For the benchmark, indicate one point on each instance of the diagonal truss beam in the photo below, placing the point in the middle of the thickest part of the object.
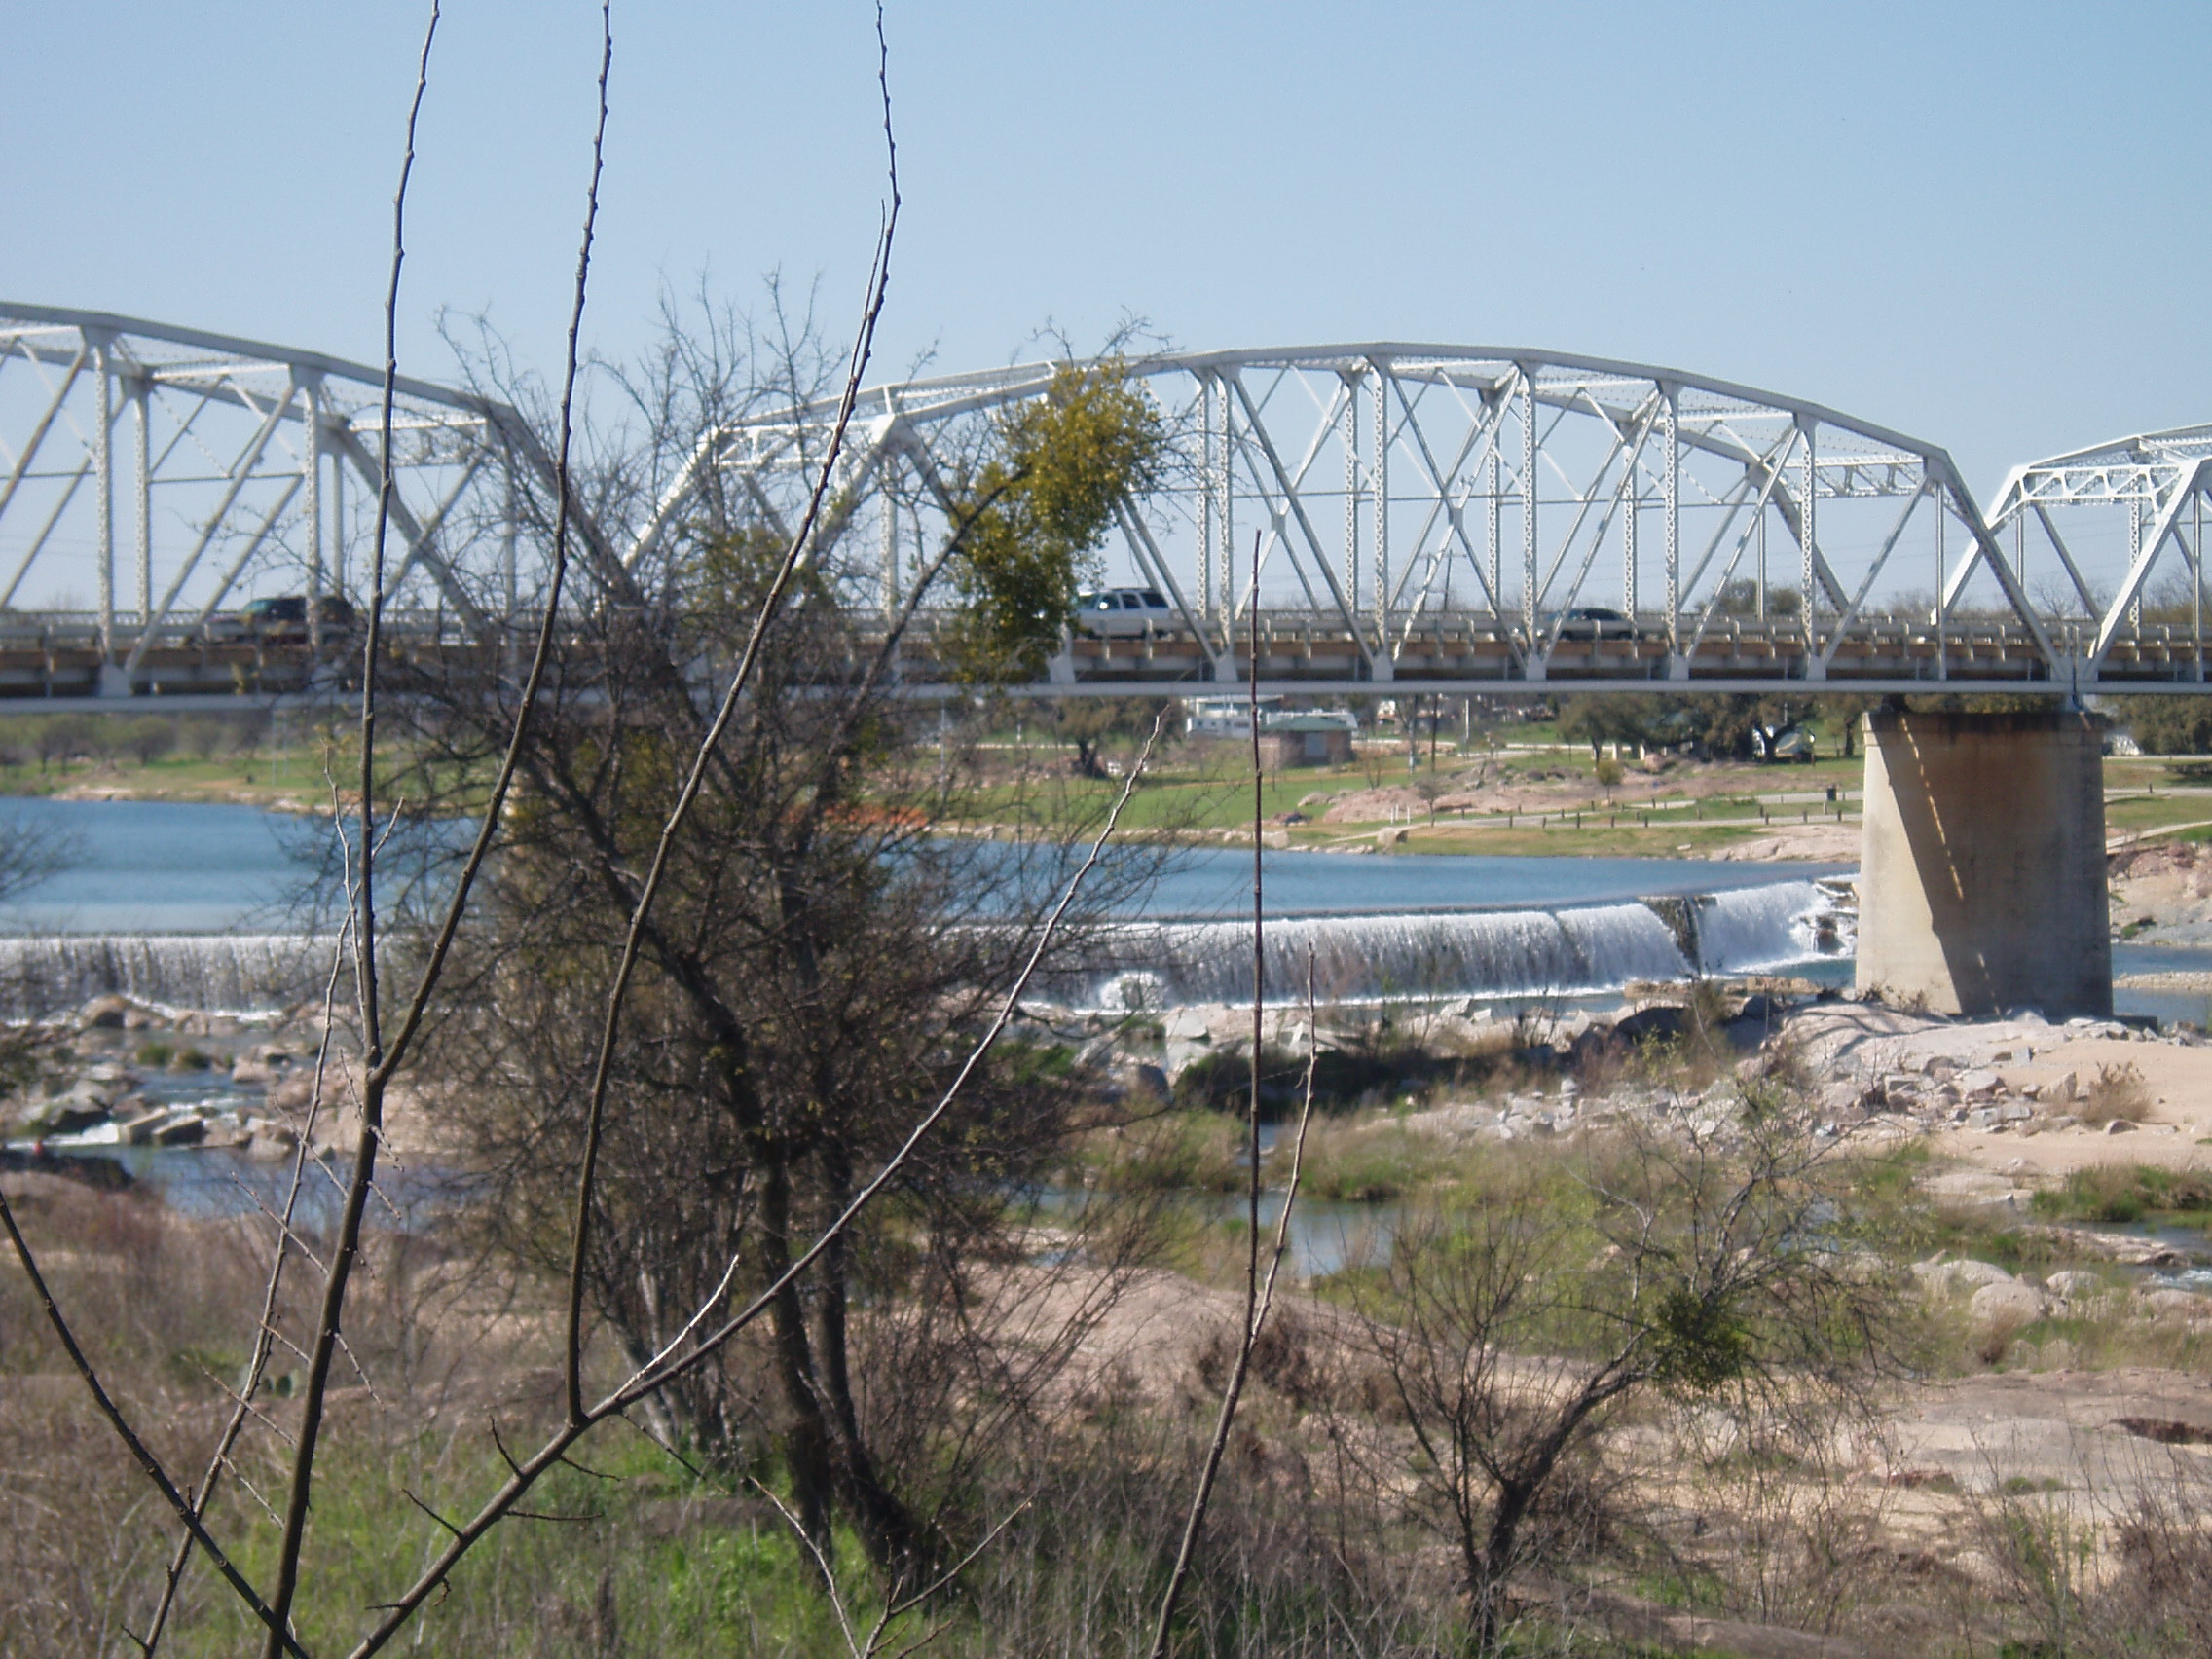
(2147, 556)
(1257, 430)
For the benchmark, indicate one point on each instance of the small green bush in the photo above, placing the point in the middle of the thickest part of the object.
(1191, 1152)
(1369, 1162)
(2119, 1196)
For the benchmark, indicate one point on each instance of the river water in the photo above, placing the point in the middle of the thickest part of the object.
(196, 905)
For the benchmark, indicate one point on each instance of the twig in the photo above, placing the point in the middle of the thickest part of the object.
(264, 1331)
(822, 1565)
(339, 1270)
(771, 604)
(1297, 1152)
(254, 1492)
(961, 1566)
(1193, 1523)
(136, 1446)
(245, 1403)
(427, 1510)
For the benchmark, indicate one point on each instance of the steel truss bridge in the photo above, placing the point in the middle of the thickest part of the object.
(1425, 519)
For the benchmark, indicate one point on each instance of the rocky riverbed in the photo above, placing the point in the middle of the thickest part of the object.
(121, 1074)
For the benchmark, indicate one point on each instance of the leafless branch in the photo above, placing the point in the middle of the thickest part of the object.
(864, 346)
(364, 909)
(265, 1330)
(664, 1369)
(1194, 1524)
(137, 1447)
(1297, 1153)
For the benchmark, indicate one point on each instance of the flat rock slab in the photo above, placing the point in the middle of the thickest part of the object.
(2113, 1432)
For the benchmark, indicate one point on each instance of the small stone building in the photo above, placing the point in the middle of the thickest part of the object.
(1321, 738)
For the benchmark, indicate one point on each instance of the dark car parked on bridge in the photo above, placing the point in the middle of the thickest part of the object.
(284, 620)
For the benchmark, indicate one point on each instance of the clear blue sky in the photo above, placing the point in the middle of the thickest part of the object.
(1984, 224)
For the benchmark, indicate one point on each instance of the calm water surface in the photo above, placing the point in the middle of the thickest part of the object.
(1217, 881)
(165, 866)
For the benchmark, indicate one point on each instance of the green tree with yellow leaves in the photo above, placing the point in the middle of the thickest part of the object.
(1034, 512)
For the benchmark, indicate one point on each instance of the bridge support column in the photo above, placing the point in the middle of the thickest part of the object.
(1982, 866)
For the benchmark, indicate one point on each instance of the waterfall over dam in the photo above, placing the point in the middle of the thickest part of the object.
(1556, 952)
(1522, 953)
(217, 972)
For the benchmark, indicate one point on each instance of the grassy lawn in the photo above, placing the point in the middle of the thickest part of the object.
(2137, 815)
(1563, 840)
(1206, 790)
(265, 779)
(291, 776)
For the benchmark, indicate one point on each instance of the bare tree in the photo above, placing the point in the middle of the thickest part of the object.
(1687, 1256)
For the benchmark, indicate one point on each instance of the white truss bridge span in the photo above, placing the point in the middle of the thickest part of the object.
(1431, 518)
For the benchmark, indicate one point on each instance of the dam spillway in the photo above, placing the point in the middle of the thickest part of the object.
(1532, 951)
(1553, 951)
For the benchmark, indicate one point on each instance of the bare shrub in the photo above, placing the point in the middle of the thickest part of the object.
(2163, 1582)
(1677, 1260)
(1784, 1534)
(150, 738)
(2118, 1095)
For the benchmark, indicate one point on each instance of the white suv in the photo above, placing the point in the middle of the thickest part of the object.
(1122, 612)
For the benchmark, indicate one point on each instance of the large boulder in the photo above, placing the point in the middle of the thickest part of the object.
(1661, 1023)
(103, 1014)
(2173, 1303)
(139, 1130)
(1940, 1277)
(2006, 1307)
(67, 1116)
(292, 1094)
(264, 1063)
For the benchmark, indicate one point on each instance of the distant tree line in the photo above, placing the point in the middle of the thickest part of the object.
(1714, 727)
(54, 743)
(2170, 725)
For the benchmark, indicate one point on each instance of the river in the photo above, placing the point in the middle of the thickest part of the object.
(209, 906)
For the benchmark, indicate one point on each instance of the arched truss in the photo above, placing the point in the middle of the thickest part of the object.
(1397, 489)
(169, 469)
(1403, 496)
(2136, 504)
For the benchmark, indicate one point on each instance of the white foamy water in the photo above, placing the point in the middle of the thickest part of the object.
(1751, 929)
(1567, 951)
(1534, 952)
(1548, 952)
(181, 906)
(219, 973)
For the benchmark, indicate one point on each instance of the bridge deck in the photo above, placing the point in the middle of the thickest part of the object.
(62, 658)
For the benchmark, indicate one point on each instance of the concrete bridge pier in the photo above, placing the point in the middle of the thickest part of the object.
(1981, 883)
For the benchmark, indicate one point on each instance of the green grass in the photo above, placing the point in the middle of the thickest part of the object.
(297, 773)
(2123, 1195)
(1167, 799)
(620, 1570)
(1594, 840)
(1366, 1163)
(1189, 1150)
